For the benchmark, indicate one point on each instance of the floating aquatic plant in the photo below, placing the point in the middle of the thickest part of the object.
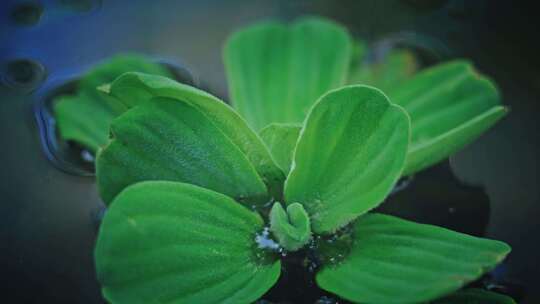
(201, 207)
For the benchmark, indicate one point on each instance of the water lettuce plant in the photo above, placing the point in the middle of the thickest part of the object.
(84, 117)
(204, 199)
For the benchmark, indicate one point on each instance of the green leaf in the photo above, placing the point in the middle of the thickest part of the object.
(291, 227)
(167, 242)
(84, 118)
(450, 105)
(398, 261)
(277, 71)
(281, 140)
(350, 153)
(475, 296)
(167, 139)
(132, 89)
(395, 68)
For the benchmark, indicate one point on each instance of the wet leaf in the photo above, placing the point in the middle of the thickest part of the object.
(167, 242)
(281, 140)
(475, 296)
(277, 71)
(350, 153)
(132, 89)
(395, 68)
(167, 139)
(398, 261)
(450, 105)
(84, 118)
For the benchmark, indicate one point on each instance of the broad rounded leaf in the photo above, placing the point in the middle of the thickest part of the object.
(167, 242)
(350, 153)
(85, 117)
(281, 140)
(475, 296)
(132, 89)
(277, 71)
(398, 261)
(167, 139)
(450, 105)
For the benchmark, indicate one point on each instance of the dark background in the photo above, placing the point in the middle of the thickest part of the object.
(47, 229)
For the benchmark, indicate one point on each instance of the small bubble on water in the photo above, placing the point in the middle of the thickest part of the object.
(26, 14)
(22, 74)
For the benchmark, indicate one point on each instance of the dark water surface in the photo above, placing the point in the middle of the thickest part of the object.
(49, 216)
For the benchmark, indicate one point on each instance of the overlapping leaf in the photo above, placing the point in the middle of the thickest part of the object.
(167, 139)
(450, 105)
(398, 261)
(350, 153)
(276, 72)
(394, 69)
(85, 117)
(165, 242)
(132, 89)
(281, 141)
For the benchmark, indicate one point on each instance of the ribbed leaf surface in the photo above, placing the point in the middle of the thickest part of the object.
(281, 140)
(398, 261)
(350, 153)
(276, 72)
(135, 88)
(166, 242)
(85, 117)
(450, 105)
(167, 139)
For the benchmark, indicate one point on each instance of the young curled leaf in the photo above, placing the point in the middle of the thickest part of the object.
(168, 242)
(350, 153)
(397, 261)
(292, 227)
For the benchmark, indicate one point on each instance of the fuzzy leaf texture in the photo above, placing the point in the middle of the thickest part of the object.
(450, 105)
(167, 242)
(167, 139)
(291, 227)
(277, 71)
(281, 141)
(132, 89)
(398, 261)
(350, 153)
(85, 117)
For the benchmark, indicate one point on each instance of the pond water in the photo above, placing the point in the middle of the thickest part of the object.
(50, 205)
